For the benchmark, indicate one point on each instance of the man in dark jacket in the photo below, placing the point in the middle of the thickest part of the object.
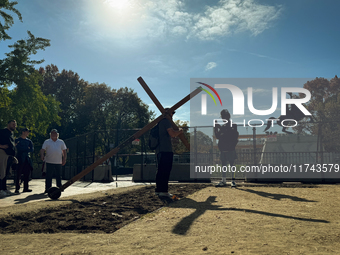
(7, 154)
(227, 140)
(24, 148)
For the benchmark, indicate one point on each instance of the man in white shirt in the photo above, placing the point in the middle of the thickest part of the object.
(53, 152)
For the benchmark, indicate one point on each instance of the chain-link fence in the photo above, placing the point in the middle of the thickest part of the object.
(252, 149)
(259, 149)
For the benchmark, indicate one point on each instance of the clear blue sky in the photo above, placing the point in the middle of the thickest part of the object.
(167, 42)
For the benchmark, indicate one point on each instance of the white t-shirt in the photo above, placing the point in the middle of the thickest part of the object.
(54, 151)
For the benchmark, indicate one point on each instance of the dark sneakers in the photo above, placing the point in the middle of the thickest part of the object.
(221, 184)
(27, 190)
(163, 194)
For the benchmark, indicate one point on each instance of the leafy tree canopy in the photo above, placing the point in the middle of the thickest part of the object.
(325, 109)
(6, 5)
(20, 93)
(88, 107)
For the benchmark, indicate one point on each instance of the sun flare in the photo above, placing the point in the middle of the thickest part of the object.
(119, 4)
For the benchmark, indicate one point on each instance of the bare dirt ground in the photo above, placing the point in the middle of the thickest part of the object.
(252, 219)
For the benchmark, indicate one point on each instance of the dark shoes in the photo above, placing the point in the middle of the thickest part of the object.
(163, 194)
(25, 190)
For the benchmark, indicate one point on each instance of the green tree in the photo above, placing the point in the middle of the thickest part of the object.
(95, 108)
(177, 144)
(90, 107)
(68, 89)
(18, 64)
(49, 74)
(127, 112)
(9, 21)
(5, 100)
(21, 97)
(324, 106)
(201, 141)
(31, 107)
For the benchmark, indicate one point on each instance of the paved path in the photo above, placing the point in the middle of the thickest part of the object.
(77, 188)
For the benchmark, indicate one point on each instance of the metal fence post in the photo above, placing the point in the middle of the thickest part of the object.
(195, 148)
(142, 156)
(254, 145)
(77, 158)
(93, 151)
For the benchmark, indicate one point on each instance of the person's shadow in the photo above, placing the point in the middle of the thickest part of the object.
(48, 200)
(277, 196)
(30, 198)
(182, 227)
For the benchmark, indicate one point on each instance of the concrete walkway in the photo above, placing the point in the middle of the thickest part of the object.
(38, 187)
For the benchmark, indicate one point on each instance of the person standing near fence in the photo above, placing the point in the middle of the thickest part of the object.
(24, 148)
(53, 153)
(227, 140)
(165, 155)
(7, 155)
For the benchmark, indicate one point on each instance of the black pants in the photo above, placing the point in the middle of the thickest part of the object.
(164, 160)
(53, 170)
(3, 185)
(25, 169)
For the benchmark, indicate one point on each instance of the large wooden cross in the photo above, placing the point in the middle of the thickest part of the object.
(162, 110)
(55, 193)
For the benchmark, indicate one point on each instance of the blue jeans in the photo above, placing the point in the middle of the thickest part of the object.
(53, 170)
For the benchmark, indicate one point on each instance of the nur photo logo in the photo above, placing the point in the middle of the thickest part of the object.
(238, 99)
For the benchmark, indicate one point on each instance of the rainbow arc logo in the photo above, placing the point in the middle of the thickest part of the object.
(209, 93)
(204, 97)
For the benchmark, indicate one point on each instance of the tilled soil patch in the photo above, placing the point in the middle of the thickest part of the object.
(103, 215)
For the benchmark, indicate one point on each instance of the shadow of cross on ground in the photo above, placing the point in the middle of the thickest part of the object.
(277, 196)
(184, 225)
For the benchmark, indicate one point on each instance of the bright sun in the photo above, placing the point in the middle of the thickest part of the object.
(119, 4)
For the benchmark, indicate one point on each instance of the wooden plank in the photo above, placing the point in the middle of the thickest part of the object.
(151, 94)
(161, 108)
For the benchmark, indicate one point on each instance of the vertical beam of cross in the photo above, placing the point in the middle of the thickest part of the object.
(161, 108)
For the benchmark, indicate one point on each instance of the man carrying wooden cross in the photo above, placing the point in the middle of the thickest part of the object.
(165, 154)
